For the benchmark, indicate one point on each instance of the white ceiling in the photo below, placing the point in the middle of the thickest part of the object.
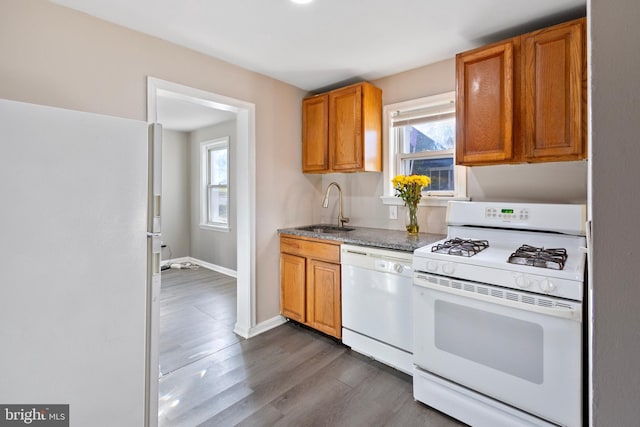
(331, 42)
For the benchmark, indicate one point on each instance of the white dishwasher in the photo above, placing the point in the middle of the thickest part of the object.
(377, 305)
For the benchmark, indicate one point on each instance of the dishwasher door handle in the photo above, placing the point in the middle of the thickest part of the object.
(372, 255)
(351, 251)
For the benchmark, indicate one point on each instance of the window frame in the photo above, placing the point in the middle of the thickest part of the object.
(392, 157)
(205, 173)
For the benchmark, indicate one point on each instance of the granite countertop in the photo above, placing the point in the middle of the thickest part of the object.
(374, 237)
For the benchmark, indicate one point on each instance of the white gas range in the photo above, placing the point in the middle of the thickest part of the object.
(498, 315)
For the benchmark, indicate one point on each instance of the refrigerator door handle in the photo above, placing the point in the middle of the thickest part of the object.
(155, 254)
(154, 276)
(155, 178)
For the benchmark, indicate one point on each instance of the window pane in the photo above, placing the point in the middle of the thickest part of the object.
(441, 172)
(214, 196)
(430, 136)
(218, 166)
(218, 204)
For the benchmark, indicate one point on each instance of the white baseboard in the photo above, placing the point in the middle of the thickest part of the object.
(261, 327)
(214, 267)
(205, 264)
(242, 331)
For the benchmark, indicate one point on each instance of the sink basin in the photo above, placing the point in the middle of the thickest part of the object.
(324, 228)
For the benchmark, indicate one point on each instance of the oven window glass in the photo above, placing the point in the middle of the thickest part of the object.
(500, 342)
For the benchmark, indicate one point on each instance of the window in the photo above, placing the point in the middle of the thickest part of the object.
(214, 194)
(421, 141)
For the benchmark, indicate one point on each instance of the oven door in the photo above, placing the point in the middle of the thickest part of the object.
(521, 349)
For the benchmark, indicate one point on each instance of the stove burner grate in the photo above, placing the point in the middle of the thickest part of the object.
(539, 257)
(460, 247)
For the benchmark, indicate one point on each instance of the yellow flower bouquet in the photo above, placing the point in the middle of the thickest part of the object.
(409, 189)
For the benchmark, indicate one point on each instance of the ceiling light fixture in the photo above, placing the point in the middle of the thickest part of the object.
(302, 1)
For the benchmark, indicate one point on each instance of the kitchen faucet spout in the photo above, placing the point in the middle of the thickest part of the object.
(325, 202)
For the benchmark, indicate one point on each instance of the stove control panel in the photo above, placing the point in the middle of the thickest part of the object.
(506, 214)
(525, 281)
(560, 218)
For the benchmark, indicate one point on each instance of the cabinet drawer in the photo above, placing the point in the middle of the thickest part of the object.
(310, 249)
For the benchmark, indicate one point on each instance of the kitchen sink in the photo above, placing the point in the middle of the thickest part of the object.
(324, 228)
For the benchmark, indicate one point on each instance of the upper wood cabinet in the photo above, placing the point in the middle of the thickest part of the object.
(315, 134)
(342, 130)
(523, 99)
(555, 93)
(485, 104)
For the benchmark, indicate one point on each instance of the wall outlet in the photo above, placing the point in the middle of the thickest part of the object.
(393, 212)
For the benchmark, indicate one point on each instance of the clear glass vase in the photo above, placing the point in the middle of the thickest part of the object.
(411, 219)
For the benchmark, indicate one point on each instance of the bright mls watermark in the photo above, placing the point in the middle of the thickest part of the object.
(34, 415)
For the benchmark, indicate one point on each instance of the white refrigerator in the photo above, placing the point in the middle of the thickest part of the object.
(79, 263)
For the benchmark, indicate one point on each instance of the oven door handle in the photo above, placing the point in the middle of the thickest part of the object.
(574, 314)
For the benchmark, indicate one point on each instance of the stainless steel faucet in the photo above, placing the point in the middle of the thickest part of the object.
(325, 202)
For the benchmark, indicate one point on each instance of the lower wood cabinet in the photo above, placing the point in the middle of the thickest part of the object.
(310, 290)
(324, 297)
(293, 287)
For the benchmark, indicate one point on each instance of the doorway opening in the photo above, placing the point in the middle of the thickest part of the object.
(243, 113)
(244, 164)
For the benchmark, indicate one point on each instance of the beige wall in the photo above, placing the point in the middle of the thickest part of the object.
(55, 56)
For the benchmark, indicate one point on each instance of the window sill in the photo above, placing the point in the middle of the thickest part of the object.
(425, 201)
(211, 227)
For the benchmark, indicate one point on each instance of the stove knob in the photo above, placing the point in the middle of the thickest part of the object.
(448, 268)
(519, 278)
(432, 266)
(398, 268)
(547, 286)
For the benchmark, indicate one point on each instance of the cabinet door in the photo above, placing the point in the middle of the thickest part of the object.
(315, 134)
(485, 104)
(345, 130)
(555, 93)
(292, 287)
(324, 308)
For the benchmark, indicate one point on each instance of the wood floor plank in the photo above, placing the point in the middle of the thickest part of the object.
(288, 376)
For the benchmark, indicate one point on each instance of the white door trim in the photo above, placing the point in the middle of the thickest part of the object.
(245, 167)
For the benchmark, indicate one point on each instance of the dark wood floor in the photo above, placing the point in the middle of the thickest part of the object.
(197, 315)
(289, 376)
